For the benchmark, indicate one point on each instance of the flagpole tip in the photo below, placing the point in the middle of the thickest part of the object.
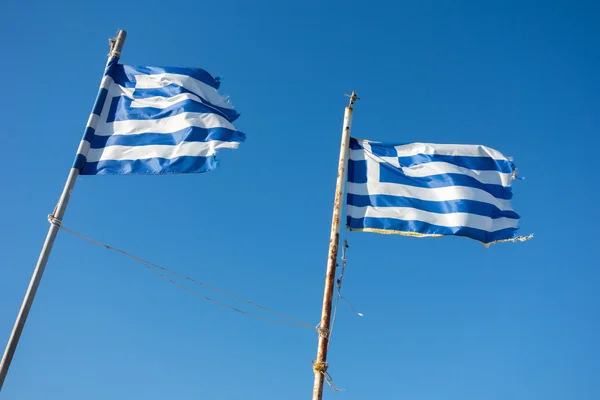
(353, 98)
(116, 44)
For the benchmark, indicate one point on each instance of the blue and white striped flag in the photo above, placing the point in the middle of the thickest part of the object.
(422, 189)
(154, 120)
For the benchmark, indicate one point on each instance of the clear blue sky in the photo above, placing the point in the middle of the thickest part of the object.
(444, 318)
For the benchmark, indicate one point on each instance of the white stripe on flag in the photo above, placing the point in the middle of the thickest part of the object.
(430, 194)
(447, 220)
(200, 88)
(469, 150)
(164, 102)
(164, 125)
(437, 168)
(193, 149)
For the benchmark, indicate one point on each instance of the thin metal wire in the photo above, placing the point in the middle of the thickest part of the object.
(339, 282)
(300, 325)
(339, 285)
(351, 306)
(155, 268)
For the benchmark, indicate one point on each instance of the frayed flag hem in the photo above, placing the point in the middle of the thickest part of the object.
(423, 235)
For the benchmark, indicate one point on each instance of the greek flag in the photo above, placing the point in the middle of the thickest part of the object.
(155, 120)
(422, 189)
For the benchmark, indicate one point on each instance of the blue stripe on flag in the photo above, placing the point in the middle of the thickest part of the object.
(100, 101)
(79, 162)
(396, 225)
(151, 166)
(439, 207)
(474, 163)
(113, 62)
(174, 90)
(121, 110)
(355, 144)
(383, 150)
(124, 75)
(390, 174)
(189, 134)
(88, 135)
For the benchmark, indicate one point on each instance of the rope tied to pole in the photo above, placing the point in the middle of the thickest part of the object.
(320, 367)
(323, 332)
(54, 221)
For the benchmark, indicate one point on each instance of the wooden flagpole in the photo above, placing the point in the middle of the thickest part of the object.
(116, 46)
(320, 365)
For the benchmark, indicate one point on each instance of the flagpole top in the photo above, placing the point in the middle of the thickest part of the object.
(116, 44)
(353, 98)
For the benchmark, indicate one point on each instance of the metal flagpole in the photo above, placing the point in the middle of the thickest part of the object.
(320, 365)
(115, 52)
